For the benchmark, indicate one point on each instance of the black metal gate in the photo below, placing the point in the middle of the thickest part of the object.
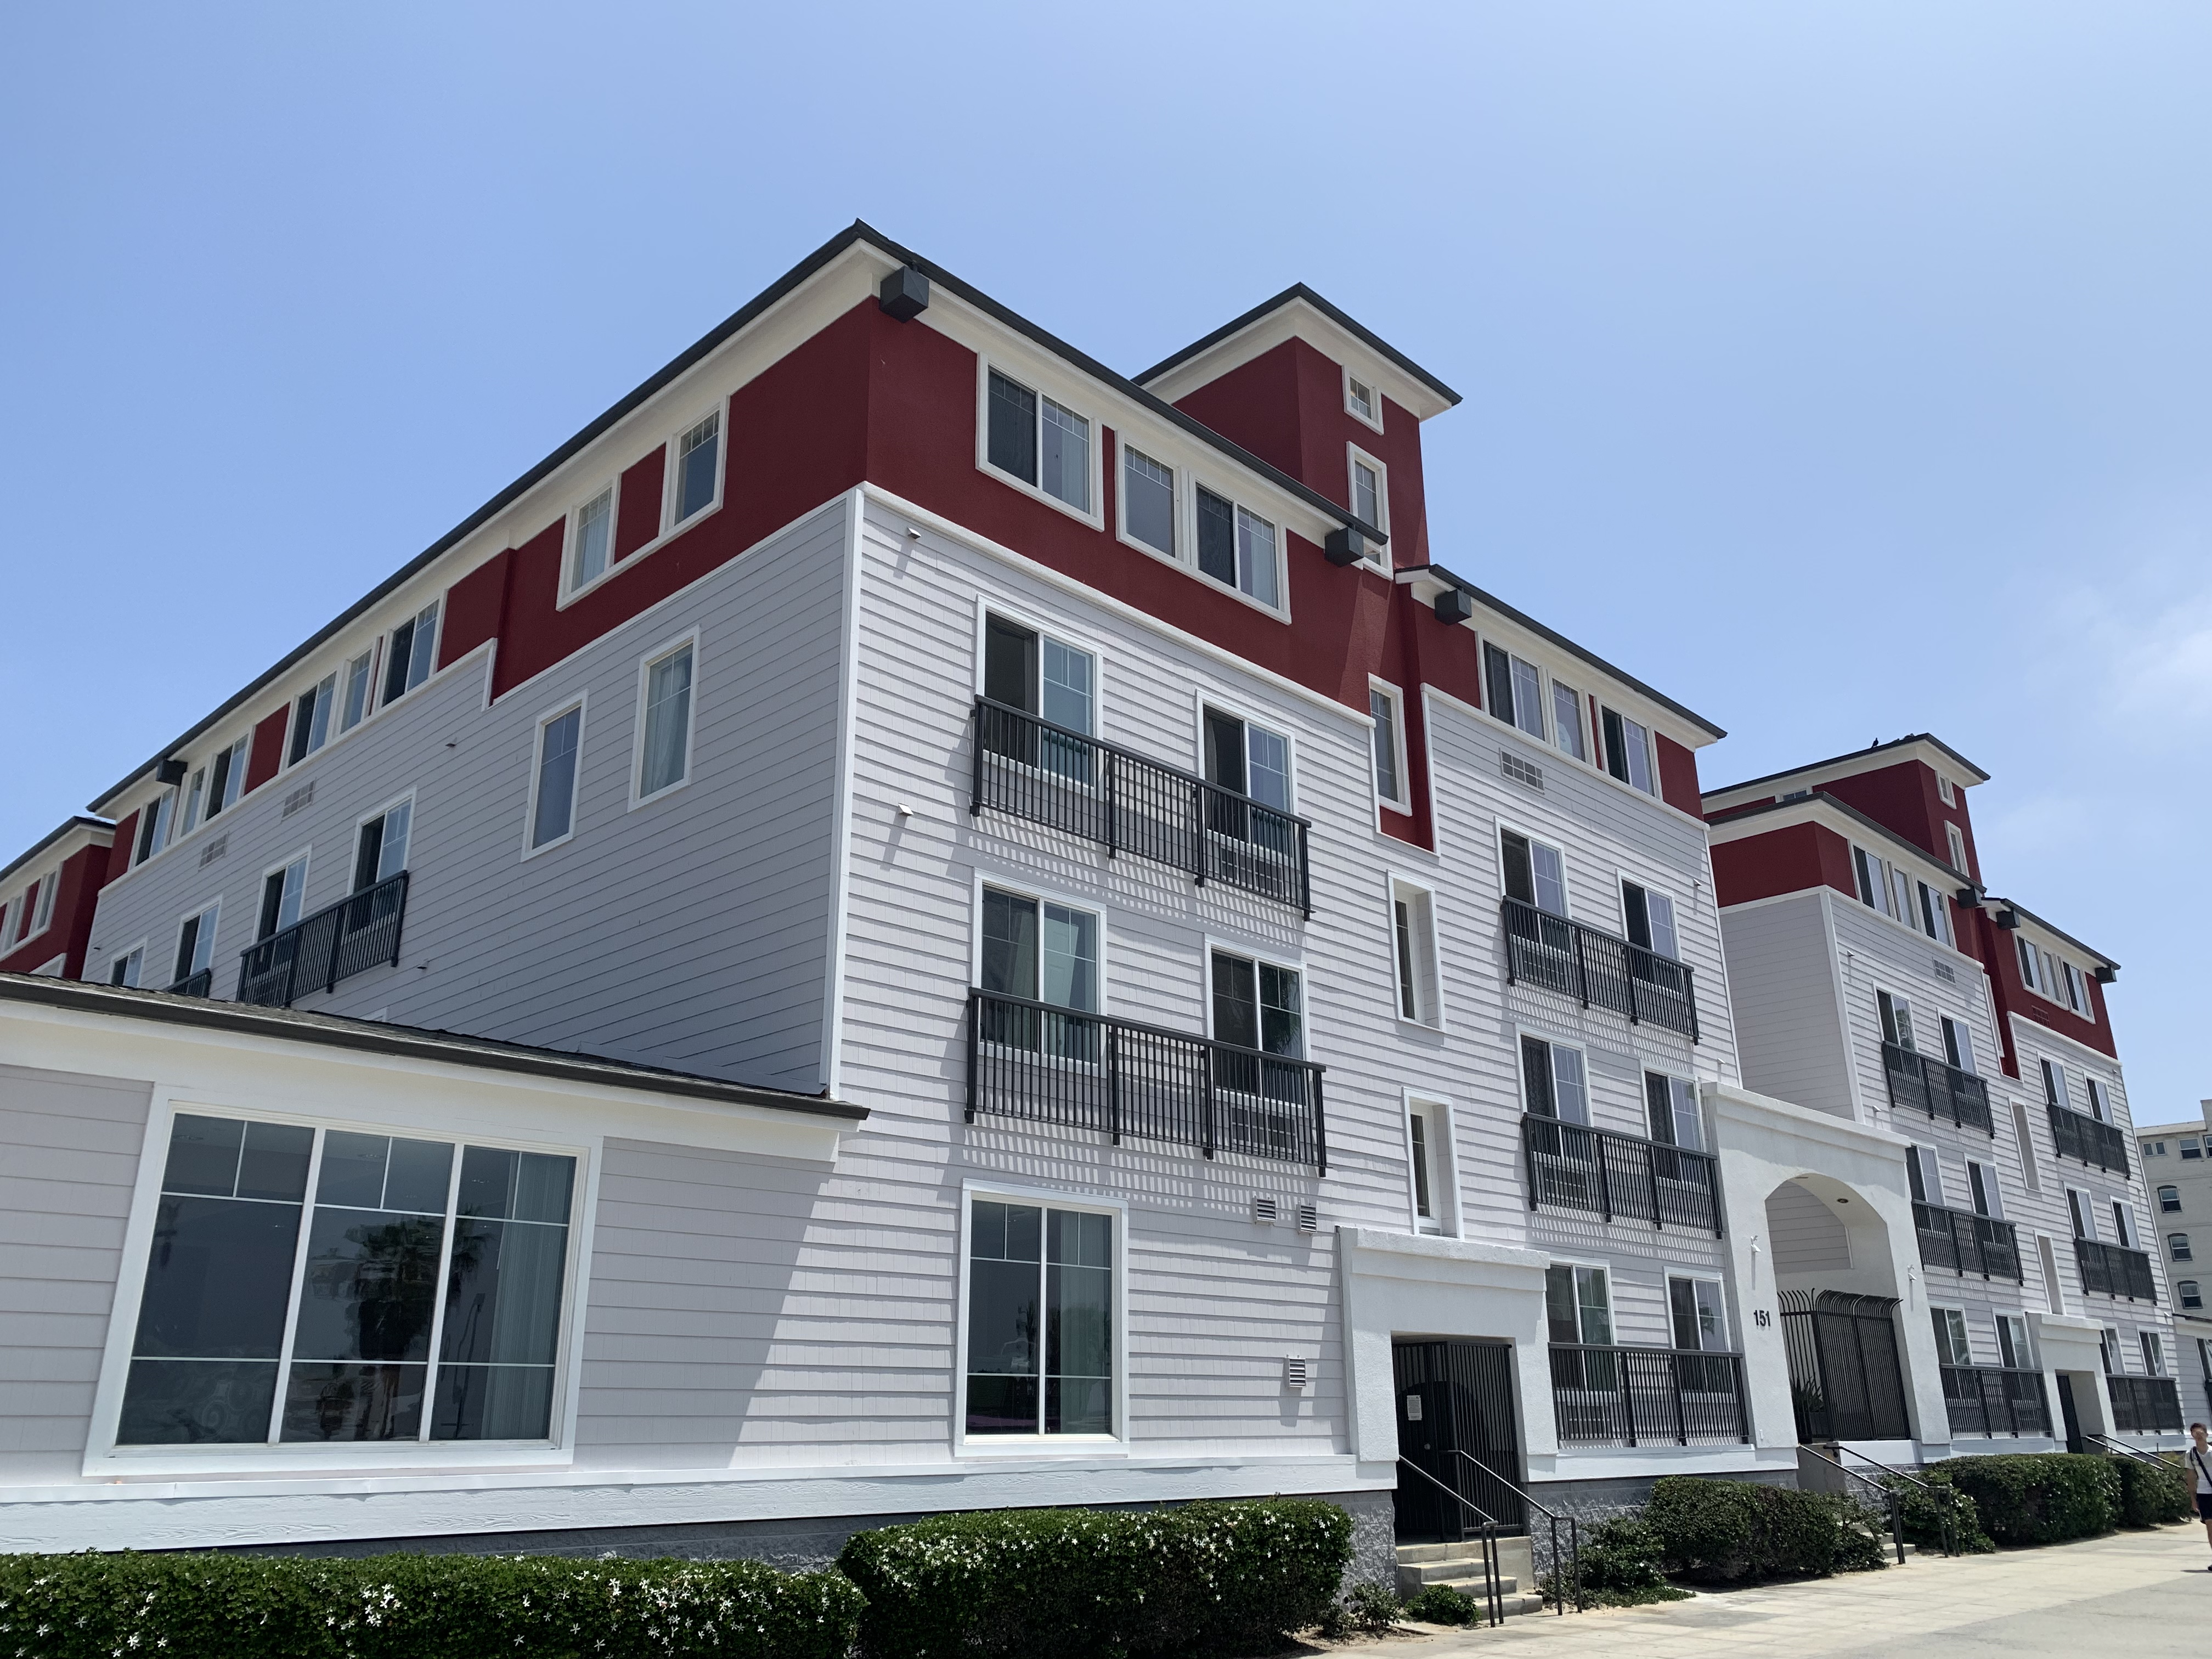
(1457, 1398)
(1844, 1378)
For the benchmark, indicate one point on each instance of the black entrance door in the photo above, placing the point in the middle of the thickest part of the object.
(2068, 1415)
(1457, 1398)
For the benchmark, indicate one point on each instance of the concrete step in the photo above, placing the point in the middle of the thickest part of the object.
(1508, 1605)
(1450, 1572)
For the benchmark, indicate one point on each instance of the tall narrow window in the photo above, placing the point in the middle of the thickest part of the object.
(1896, 1019)
(1627, 750)
(1237, 547)
(1553, 1082)
(195, 799)
(2027, 965)
(1251, 761)
(1413, 939)
(1567, 721)
(42, 903)
(195, 943)
(1402, 931)
(2013, 1351)
(2154, 1353)
(1982, 1189)
(1382, 709)
(2054, 1086)
(281, 891)
(1944, 791)
(1577, 1306)
(1535, 873)
(380, 851)
(1650, 919)
(1697, 1313)
(1423, 1140)
(1368, 501)
(153, 824)
(1012, 444)
(1148, 501)
(1957, 841)
(1958, 1045)
(413, 649)
(2080, 1214)
(1041, 1336)
(1924, 1175)
(591, 538)
(2123, 1232)
(553, 810)
(126, 969)
(2099, 1108)
(1935, 913)
(1874, 880)
(226, 777)
(1515, 689)
(1671, 1103)
(311, 719)
(1951, 1345)
(698, 464)
(1065, 457)
(665, 754)
(356, 692)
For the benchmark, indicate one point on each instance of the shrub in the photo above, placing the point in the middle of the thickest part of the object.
(1368, 1609)
(2037, 1497)
(1440, 1604)
(1624, 1554)
(2153, 1494)
(1930, 1505)
(1206, 1579)
(1722, 1531)
(417, 1607)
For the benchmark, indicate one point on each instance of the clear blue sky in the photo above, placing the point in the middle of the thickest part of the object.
(1846, 369)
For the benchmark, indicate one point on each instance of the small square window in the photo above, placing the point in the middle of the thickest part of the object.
(1362, 401)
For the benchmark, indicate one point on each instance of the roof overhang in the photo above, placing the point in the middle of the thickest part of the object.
(72, 838)
(2037, 924)
(1299, 313)
(1846, 820)
(1931, 750)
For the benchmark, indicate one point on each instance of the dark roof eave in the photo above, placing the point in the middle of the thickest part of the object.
(1980, 776)
(31, 855)
(1358, 331)
(857, 231)
(1565, 644)
(2055, 933)
(374, 1037)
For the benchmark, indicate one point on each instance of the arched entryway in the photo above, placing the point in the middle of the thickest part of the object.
(1835, 1278)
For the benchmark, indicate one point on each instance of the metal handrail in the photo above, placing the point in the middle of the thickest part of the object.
(1927, 1487)
(1889, 1493)
(1602, 1172)
(193, 985)
(1991, 1241)
(1964, 1096)
(2114, 1446)
(2076, 1135)
(2120, 1270)
(360, 932)
(1597, 968)
(1497, 1606)
(1559, 1596)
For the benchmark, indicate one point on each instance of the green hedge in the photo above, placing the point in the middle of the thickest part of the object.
(1201, 1579)
(417, 1607)
(1624, 1564)
(1930, 1508)
(1724, 1531)
(2037, 1497)
(2151, 1495)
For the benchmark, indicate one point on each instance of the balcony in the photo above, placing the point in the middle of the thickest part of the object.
(1599, 1173)
(1601, 970)
(193, 985)
(1042, 1064)
(2145, 1405)
(358, 932)
(2115, 1270)
(1048, 775)
(1919, 1083)
(1985, 1400)
(1967, 1243)
(2076, 1135)
(1608, 1396)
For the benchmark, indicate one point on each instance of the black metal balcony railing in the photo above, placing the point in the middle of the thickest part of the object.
(1570, 1167)
(1920, 1082)
(1985, 1400)
(193, 985)
(358, 932)
(1967, 1243)
(1047, 1065)
(1129, 804)
(2115, 1270)
(2145, 1405)
(1598, 970)
(1619, 1396)
(2076, 1135)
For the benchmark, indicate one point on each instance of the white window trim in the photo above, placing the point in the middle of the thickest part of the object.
(1622, 879)
(1946, 791)
(1259, 956)
(213, 909)
(1427, 1018)
(660, 654)
(108, 975)
(51, 969)
(1954, 840)
(988, 606)
(42, 893)
(1378, 556)
(1032, 1445)
(1280, 610)
(1021, 886)
(1669, 1272)
(1374, 393)
(1184, 558)
(1444, 1166)
(286, 764)
(719, 410)
(103, 1458)
(304, 858)
(572, 589)
(1658, 791)
(1203, 699)
(1498, 852)
(172, 792)
(377, 668)
(1517, 1031)
(1094, 460)
(1404, 803)
(1597, 1265)
(1966, 1330)
(176, 836)
(579, 703)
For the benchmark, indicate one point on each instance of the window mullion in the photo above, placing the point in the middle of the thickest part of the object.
(299, 1283)
(438, 1307)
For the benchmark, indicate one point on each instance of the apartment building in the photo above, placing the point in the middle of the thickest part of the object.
(48, 898)
(1875, 977)
(2177, 1166)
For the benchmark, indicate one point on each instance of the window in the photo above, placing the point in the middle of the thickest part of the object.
(1237, 547)
(2177, 1246)
(1671, 1105)
(413, 648)
(2013, 1351)
(1957, 839)
(1650, 917)
(2154, 1149)
(1896, 1019)
(1413, 942)
(663, 759)
(1247, 760)
(2169, 1199)
(2099, 1106)
(2108, 1349)
(10, 914)
(195, 943)
(2123, 1233)
(1567, 721)
(195, 797)
(127, 968)
(1576, 1306)
(591, 539)
(1535, 873)
(1924, 1173)
(1148, 501)
(1043, 676)
(1389, 747)
(2078, 1211)
(2154, 1353)
(1362, 400)
(245, 1337)
(1944, 791)
(1370, 493)
(1982, 1186)
(226, 777)
(380, 846)
(1515, 687)
(1427, 1146)
(356, 692)
(311, 719)
(1552, 1081)
(553, 785)
(1044, 444)
(1958, 1045)
(1039, 952)
(2054, 1086)
(2191, 1296)
(1874, 880)
(38, 904)
(1951, 1348)
(1627, 750)
(1040, 1311)
(2189, 1148)
(1257, 1005)
(1935, 913)
(154, 825)
(1700, 1316)
(2027, 963)
(281, 891)
(698, 470)
(2077, 989)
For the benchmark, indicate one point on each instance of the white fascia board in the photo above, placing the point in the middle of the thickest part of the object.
(1296, 318)
(2034, 1031)
(1849, 766)
(1769, 1116)
(1894, 847)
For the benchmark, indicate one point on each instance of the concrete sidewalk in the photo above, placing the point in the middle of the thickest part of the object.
(2142, 1596)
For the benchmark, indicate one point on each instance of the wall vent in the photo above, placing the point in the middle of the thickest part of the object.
(302, 796)
(1295, 1374)
(1944, 971)
(1520, 771)
(1266, 1210)
(214, 850)
(1309, 1217)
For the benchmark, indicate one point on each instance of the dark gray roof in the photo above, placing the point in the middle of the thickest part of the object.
(376, 1037)
(67, 824)
(1358, 331)
(1980, 776)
